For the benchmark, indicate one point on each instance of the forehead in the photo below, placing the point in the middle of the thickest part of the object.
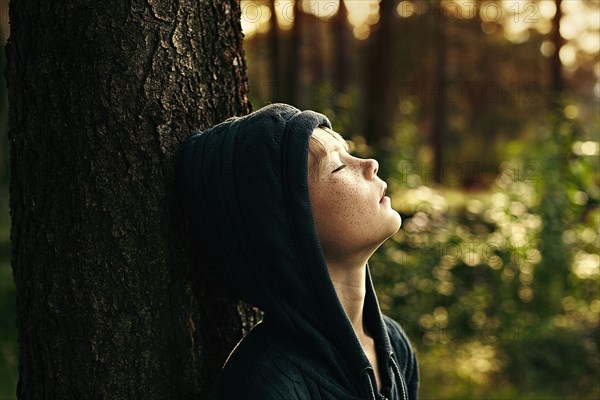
(330, 140)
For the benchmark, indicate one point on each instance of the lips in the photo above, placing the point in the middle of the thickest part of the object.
(383, 190)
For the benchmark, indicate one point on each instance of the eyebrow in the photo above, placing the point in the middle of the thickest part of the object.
(337, 148)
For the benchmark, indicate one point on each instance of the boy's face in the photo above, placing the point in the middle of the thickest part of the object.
(346, 196)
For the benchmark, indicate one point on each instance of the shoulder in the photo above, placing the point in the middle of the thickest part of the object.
(405, 355)
(398, 336)
(271, 366)
(266, 381)
(259, 368)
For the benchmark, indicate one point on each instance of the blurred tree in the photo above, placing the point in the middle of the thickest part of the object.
(439, 79)
(557, 41)
(316, 35)
(3, 138)
(295, 57)
(340, 27)
(552, 276)
(274, 45)
(381, 96)
(102, 95)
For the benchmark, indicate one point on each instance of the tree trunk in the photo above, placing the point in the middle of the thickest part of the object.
(274, 53)
(438, 126)
(381, 94)
(340, 27)
(557, 85)
(294, 75)
(552, 274)
(316, 35)
(3, 124)
(102, 95)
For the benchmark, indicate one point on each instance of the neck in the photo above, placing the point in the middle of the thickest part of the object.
(348, 277)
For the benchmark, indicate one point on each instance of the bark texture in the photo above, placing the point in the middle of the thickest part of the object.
(111, 303)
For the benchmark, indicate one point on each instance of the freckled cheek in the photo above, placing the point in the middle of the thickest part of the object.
(345, 203)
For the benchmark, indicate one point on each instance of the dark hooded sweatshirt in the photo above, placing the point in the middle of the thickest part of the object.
(246, 186)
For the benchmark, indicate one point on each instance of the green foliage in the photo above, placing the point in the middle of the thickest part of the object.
(499, 289)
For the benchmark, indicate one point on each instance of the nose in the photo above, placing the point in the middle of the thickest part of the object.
(371, 168)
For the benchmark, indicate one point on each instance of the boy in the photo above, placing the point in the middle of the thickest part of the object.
(291, 220)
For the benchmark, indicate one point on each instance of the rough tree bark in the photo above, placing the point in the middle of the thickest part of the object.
(102, 95)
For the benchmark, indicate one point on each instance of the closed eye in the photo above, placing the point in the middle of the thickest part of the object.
(339, 168)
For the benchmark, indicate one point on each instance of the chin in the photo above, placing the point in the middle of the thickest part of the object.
(399, 222)
(391, 227)
(395, 221)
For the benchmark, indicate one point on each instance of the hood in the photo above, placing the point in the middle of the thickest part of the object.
(246, 189)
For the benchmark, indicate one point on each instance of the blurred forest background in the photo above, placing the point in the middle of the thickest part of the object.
(485, 118)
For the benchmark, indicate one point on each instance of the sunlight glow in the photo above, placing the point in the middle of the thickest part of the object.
(406, 9)
(359, 11)
(255, 17)
(588, 42)
(574, 7)
(586, 265)
(322, 9)
(568, 55)
(579, 25)
(361, 32)
(362, 14)
(593, 19)
(478, 362)
(572, 25)
(547, 48)
(284, 9)
(571, 111)
(588, 148)
(547, 8)
(516, 32)
(580, 198)
(544, 26)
